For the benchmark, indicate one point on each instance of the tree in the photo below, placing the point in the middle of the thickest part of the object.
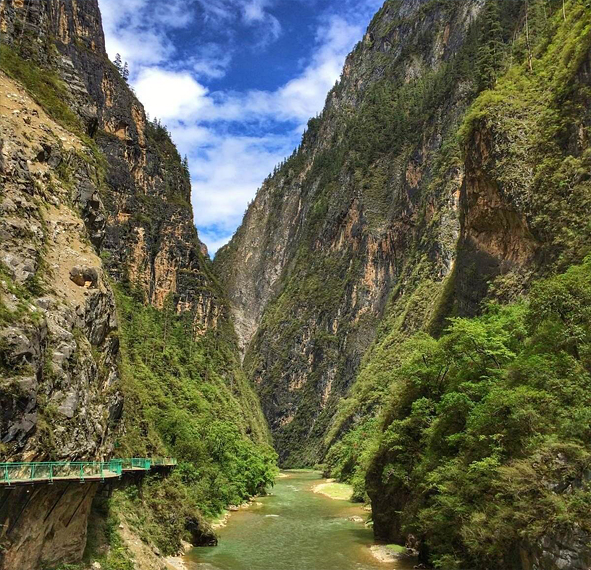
(125, 71)
(491, 46)
(527, 38)
(118, 63)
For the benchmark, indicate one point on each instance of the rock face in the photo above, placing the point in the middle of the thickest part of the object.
(58, 349)
(51, 527)
(59, 378)
(362, 212)
(420, 192)
(125, 193)
(146, 228)
(90, 191)
(560, 550)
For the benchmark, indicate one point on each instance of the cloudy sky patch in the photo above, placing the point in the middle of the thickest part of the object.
(235, 81)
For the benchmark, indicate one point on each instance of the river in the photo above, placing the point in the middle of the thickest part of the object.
(294, 529)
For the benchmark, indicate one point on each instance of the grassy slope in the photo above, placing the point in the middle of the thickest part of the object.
(190, 399)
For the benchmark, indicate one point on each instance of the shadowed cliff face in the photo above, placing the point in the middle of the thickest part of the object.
(46, 523)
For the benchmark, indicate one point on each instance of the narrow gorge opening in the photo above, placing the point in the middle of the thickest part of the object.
(400, 320)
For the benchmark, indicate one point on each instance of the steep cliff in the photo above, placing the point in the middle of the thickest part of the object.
(60, 385)
(148, 225)
(59, 356)
(381, 282)
(114, 336)
(483, 425)
(366, 209)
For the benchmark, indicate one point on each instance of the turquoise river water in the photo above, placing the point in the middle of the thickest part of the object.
(294, 529)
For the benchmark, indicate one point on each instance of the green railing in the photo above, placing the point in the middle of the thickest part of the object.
(164, 462)
(52, 470)
(136, 463)
(58, 470)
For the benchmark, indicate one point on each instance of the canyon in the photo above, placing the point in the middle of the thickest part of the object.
(405, 304)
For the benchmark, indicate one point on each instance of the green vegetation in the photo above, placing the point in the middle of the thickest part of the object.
(396, 548)
(348, 458)
(534, 115)
(488, 426)
(175, 170)
(22, 293)
(187, 397)
(473, 434)
(43, 85)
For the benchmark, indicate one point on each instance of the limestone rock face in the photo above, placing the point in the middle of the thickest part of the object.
(146, 227)
(58, 347)
(557, 551)
(62, 205)
(59, 377)
(341, 228)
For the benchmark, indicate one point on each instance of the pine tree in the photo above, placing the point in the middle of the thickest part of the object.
(118, 63)
(125, 72)
(490, 51)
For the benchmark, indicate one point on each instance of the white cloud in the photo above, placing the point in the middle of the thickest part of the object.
(170, 94)
(304, 96)
(177, 95)
(212, 61)
(226, 173)
(255, 11)
(136, 29)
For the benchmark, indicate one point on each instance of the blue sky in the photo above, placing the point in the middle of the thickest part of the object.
(235, 81)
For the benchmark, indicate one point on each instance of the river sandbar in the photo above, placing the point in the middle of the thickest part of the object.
(337, 491)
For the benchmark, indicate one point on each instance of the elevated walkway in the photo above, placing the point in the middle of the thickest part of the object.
(15, 474)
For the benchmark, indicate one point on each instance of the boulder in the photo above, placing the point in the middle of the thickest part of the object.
(84, 276)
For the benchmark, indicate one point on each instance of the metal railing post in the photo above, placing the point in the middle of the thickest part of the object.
(51, 472)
